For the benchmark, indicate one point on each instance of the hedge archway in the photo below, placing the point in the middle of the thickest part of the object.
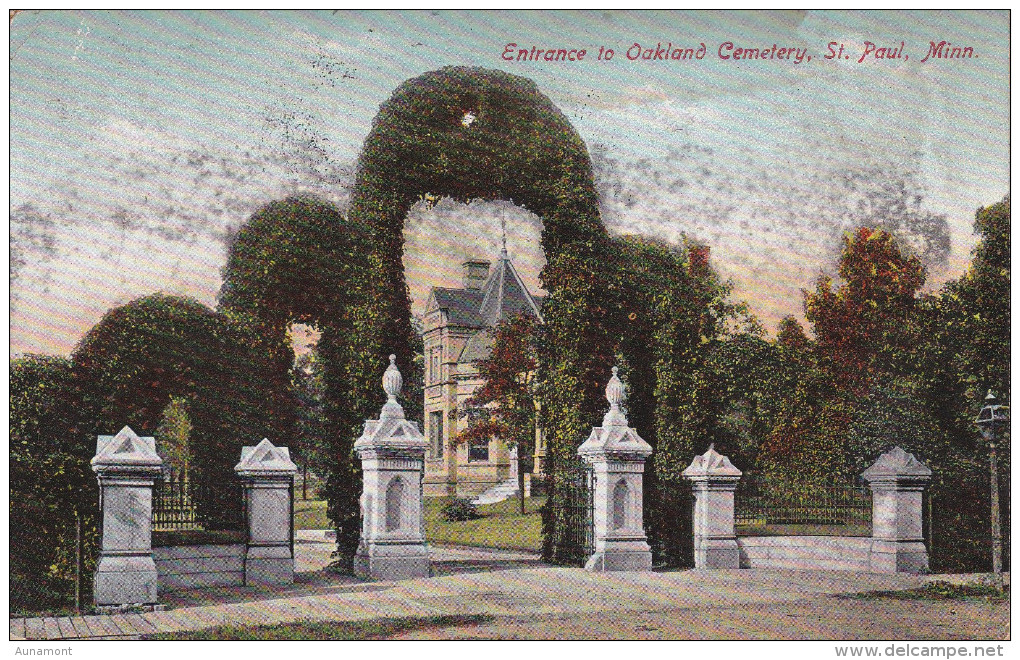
(471, 133)
(300, 260)
(466, 133)
(140, 354)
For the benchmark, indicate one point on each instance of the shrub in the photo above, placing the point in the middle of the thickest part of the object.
(459, 508)
(50, 484)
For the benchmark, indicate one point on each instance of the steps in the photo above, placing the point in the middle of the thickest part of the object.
(498, 493)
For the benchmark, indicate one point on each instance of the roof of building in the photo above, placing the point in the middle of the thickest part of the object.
(505, 294)
(461, 305)
(502, 296)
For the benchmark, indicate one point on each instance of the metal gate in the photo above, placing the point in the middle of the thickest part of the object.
(176, 506)
(577, 513)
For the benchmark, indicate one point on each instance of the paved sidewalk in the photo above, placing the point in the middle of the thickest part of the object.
(468, 582)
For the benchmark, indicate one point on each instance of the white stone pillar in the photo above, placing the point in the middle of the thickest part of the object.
(714, 481)
(268, 475)
(126, 467)
(392, 453)
(897, 481)
(617, 455)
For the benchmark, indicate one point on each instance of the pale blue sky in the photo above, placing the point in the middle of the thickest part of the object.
(140, 140)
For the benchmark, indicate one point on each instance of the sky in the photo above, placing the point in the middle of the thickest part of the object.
(141, 141)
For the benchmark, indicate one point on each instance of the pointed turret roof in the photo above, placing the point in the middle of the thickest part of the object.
(504, 294)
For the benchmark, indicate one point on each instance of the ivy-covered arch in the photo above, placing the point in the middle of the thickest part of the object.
(300, 260)
(466, 133)
(472, 133)
(141, 354)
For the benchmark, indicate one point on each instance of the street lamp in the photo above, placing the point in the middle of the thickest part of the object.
(991, 418)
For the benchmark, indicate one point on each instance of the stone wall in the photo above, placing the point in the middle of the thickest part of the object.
(897, 481)
(827, 553)
(195, 566)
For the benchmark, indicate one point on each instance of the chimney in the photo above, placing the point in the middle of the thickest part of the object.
(475, 274)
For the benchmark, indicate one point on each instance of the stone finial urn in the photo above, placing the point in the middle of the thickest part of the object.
(617, 454)
(392, 453)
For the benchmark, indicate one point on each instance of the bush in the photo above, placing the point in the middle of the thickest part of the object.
(50, 484)
(459, 508)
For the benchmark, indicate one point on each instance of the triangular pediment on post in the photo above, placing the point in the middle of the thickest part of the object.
(126, 448)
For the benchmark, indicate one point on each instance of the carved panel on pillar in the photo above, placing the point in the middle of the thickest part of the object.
(126, 466)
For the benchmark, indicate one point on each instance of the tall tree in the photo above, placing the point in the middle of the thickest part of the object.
(173, 436)
(864, 314)
(504, 406)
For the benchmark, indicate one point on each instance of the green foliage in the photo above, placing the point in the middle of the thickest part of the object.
(141, 355)
(312, 441)
(300, 260)
(862, 316)
(173, 437)
(960, 348)
(51, 483)
(521, 148)
(890, 368)
(457, 509)
(669, 311)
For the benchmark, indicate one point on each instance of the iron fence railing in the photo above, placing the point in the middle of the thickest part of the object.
(576, 510)
(848, 506)
(177, 506)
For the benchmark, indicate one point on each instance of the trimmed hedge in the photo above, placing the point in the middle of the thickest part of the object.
(519, 147)
(50, 481)
(141, 354)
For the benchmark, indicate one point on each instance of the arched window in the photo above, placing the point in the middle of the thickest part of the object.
(394, 500)
(621, 494)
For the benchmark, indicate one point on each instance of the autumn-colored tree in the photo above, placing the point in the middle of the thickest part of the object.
(790, 336)
(856, 321)
(504, 406)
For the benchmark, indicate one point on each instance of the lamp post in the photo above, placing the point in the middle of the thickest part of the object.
(992, 417)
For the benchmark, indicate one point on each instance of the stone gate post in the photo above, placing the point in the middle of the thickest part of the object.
(714, 480)
(897, 480)
(617, 455)
(126, 467)
(268, 475)
(392, 453)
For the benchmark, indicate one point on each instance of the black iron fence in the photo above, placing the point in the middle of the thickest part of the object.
(177, 506)
(577, 511)
(848, 507)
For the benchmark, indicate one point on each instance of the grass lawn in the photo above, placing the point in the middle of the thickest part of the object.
(310, 514)
(940, 590)
(501, 526)
(325, 630)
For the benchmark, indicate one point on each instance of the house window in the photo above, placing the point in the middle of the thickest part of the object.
(436, 433)
(478, 451)
(434, 365)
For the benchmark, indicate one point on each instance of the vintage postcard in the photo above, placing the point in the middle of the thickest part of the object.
(511, 325)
